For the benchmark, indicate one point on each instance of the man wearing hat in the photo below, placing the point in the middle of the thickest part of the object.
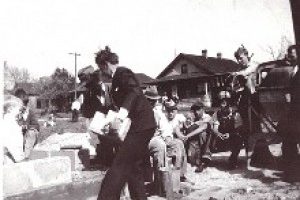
(96, 86)
(165, 141)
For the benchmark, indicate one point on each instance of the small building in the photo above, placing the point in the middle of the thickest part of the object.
(193, 76)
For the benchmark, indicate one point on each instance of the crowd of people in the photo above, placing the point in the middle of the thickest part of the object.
(156, 126)
(166, 134)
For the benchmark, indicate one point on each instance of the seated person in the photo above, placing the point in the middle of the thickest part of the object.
(164, 143)
(200, 130)
(226, 136)
(12, 136)
(51, 121)
(30, 125)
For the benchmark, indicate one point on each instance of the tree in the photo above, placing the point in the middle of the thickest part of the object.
(277, 53)
(18, 74)
(62, 81)
(13, 75)
(57, 87)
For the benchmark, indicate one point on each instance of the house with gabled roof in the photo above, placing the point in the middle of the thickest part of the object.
(192, 76)
(143, 80)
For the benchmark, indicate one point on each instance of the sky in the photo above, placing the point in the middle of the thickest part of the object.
(147, 35)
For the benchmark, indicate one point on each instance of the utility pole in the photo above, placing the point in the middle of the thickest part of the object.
(75, 55)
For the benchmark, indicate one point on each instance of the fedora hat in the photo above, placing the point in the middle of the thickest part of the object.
(151, 93)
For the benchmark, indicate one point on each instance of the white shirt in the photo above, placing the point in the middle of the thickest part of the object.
(251, 68)
(248, 74)
(12, 139)
(75, 105)
(167, 127)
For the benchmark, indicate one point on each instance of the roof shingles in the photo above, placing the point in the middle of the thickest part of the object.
(212, 65)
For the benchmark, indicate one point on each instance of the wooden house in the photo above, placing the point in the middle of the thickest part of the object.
(193, 76)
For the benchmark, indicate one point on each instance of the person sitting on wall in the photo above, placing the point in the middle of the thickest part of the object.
(12, 134)
(30, 125)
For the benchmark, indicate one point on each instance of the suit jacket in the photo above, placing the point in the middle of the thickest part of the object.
(127, 93)
(95, 93)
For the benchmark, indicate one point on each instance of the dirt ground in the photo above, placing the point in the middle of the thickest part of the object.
(216, 182)
(241, 183)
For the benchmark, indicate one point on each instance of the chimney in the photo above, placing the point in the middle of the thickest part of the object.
(204, 53)
(219, 55)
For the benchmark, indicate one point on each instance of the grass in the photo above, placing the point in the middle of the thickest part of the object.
(63, 125)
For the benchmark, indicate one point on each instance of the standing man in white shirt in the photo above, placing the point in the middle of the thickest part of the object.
(247, 95)
(75, 110)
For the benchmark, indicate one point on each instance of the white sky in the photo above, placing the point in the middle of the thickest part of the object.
(39, 34)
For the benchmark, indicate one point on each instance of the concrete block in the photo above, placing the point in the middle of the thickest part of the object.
(80, 158)
(39, 154)
(24, 176)
(77, 190)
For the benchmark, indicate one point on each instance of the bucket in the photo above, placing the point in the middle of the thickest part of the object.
(164, 183)
(175, 177)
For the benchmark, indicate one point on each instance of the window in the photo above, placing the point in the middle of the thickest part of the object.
(38, 104)
(200, 88)
(184, 69)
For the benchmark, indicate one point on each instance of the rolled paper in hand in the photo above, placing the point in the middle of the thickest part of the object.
(98, 123)
(111, 116)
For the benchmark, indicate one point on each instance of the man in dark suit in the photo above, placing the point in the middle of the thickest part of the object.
(130, 103)
(97, 98)
(291, 135)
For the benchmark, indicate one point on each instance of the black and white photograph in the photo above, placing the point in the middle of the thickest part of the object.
(161, 99)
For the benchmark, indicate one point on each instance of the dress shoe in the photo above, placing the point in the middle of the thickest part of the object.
(185, 179)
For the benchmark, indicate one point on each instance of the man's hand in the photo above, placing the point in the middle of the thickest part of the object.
(234, 73)
(183, 138)
(105, 130)
(168, 139)
(223, 136)
(288, 97)
(226, 136)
